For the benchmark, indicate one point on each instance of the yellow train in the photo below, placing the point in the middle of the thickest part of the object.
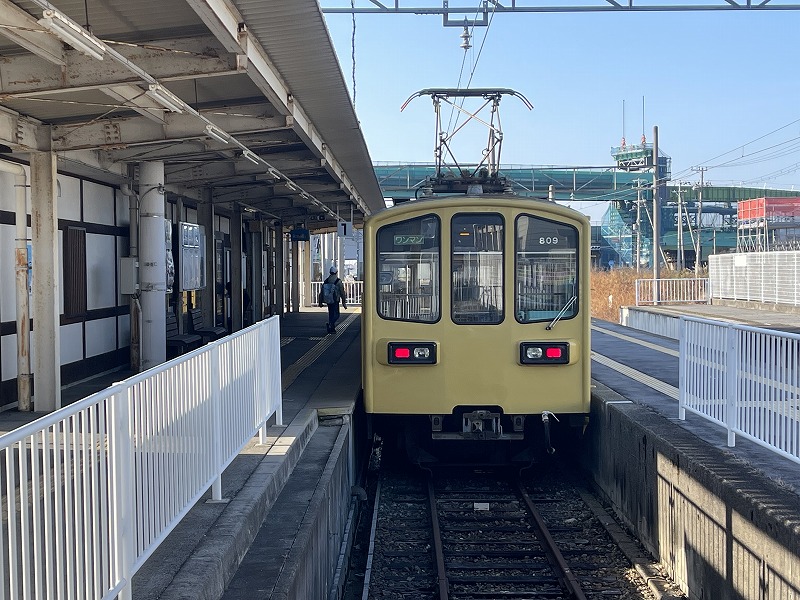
(475, 325)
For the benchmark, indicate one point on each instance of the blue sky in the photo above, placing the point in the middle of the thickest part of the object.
(713, 82)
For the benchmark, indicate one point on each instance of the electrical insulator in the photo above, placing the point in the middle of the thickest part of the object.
(466, 37)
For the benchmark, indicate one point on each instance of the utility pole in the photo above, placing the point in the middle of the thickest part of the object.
(680, 227)
(698, 225)
(638, 183)
(638, 228)
(656, 220)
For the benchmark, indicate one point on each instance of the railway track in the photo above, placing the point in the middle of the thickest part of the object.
(474, 536)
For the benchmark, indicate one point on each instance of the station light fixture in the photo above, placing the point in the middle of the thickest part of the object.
(72, 34)
(217, 134)
(165, 98)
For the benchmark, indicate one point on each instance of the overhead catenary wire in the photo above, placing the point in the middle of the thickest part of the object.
(453, 112)
(734, 162)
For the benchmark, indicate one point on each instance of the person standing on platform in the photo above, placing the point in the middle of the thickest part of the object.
(332, 292)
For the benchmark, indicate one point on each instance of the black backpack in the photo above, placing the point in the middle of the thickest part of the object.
(330, 292)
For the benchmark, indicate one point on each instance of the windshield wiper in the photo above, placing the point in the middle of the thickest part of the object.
(561, 313)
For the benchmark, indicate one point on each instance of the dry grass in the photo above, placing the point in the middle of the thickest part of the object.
(616, 288)
(612, 289)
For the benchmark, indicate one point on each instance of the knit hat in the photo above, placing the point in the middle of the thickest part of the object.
(333, 270)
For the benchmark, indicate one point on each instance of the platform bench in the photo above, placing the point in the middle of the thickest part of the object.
(209, 334)
(179, 343)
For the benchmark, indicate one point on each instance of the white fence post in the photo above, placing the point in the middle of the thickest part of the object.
(276, 393)
(732, 383)
(216, 421)
(264, 352)
(682, 369)
(124, 516)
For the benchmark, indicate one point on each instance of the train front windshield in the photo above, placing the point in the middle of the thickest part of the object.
(408, 270)
(545, 269)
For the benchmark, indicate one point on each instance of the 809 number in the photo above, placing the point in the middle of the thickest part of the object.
(549, 240)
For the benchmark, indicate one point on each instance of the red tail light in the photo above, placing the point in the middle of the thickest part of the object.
(402, 352)
(544, 353)
(412, 353)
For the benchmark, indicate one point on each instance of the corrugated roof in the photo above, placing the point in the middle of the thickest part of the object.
(296, 37)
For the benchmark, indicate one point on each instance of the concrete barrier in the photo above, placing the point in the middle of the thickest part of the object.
(719, 528)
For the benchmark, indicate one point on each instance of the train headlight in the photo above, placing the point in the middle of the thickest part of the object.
(422, 353)
(544, 353)
(412, 353)
(533, 352)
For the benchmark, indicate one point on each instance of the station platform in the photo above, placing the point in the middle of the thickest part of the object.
(692, 501)
(253, 545)
(768, 316)
(723, 521)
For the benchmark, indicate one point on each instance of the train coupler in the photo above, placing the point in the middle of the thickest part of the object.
(546, 422)
(482, 423)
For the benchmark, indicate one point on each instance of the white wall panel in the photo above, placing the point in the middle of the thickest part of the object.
(124, 330)
(8, 199)
(69, 203)
(71, 343)
(8, 349)
(123, 205)
(8, 294)
(122, 250)
(101, 336)
(8, 193)
(101, 258)
(98, 203)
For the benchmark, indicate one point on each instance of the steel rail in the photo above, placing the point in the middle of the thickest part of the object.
(371, 552)
(567, 579)
(437, 544)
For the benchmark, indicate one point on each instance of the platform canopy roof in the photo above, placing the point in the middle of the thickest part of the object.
(241, 97)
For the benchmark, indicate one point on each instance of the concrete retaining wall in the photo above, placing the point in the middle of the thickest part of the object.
(721, 530)
(313, 559)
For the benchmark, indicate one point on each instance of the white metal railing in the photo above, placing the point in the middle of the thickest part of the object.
(772, 277)
(353, 289)
(744, 378)
(657, 323)
(672, 291)
(91, 490)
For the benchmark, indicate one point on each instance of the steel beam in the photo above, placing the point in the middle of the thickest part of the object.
(451, 14)
(126, 132)
(172, 60)
(22, 134)
(21, 28)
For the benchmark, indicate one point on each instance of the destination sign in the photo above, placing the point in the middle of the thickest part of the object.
(409, 240)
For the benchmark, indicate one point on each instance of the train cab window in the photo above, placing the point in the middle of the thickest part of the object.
(546, 269)
(477, 268)
(408, 270)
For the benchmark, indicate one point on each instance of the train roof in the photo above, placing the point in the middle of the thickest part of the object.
(486, 200)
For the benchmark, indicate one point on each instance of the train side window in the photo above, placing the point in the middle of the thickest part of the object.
(546, 269)
(408, 270)
(477, 268)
